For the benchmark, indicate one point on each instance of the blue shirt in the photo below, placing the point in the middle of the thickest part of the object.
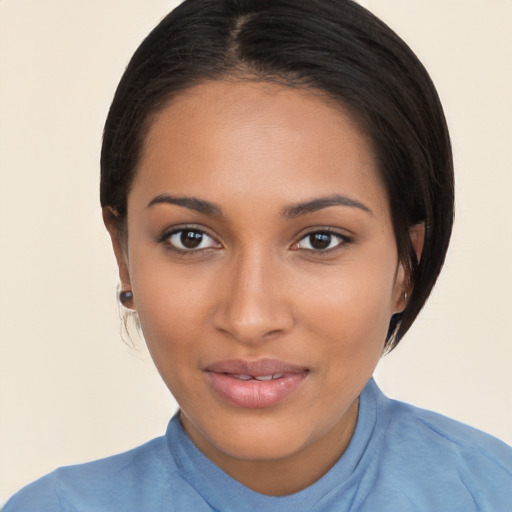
(400, 458)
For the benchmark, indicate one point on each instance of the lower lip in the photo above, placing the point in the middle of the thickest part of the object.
(255, 394)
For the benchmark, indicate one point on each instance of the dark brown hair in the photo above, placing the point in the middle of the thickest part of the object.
(335, 46)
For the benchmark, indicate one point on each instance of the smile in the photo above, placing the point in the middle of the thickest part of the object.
(257, 384)
(258, 377)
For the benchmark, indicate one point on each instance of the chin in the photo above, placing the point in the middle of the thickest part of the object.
(254, 436)
(262, 445)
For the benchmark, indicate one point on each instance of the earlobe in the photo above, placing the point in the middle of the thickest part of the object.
(401, 303)
(110, 219)
(402, 290)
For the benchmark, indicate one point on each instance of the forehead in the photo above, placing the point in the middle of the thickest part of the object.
(259, 139)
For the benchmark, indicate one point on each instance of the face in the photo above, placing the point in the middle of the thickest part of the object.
(263, 266)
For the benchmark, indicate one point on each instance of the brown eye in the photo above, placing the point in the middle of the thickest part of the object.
(321, 241)
(191, 239)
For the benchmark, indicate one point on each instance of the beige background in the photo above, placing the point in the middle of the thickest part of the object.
(70, 390)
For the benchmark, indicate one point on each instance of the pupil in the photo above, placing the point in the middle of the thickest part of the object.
(191, 239)
(320, 240)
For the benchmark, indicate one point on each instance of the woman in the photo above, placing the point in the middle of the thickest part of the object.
(278, 187)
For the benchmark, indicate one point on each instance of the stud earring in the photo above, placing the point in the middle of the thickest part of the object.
(125, 297)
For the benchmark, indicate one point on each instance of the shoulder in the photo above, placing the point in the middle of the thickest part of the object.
(426, 454)
(121, 482)
(444, 437)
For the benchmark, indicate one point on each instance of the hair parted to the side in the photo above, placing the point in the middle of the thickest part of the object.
(334, 46)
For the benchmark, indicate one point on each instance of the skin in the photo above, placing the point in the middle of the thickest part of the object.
(257, 288)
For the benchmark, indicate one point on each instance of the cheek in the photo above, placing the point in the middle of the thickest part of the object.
(351, 307)
(354, 290)
(172, 308)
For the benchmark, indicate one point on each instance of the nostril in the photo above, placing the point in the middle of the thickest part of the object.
(254, 329)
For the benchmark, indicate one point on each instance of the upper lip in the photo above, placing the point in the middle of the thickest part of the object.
(256, 368)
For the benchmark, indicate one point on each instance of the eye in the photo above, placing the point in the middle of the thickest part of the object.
(321, 241)
(189, 239)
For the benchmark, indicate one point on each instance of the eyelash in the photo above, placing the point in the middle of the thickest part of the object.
(343, 240)
(168, 235)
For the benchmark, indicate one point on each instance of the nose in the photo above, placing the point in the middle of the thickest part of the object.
(253, 305)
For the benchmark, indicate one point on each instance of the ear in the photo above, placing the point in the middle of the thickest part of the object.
(110, 219)
(403, 288)
(417, 234)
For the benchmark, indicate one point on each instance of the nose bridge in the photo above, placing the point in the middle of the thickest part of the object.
(253, 304)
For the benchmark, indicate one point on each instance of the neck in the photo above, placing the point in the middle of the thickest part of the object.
(288, 475)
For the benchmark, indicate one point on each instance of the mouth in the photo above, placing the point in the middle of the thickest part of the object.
(255, 384)
(261, 378)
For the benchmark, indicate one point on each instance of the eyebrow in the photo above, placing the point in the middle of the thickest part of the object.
(192, 203)
(291, 211)
(298, 209)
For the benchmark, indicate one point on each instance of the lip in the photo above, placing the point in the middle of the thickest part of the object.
(236, 382)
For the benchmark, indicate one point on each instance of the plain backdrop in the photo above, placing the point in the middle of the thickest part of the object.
(70, 389)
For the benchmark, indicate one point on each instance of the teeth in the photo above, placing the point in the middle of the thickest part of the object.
(270, 377)
(243, 377)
